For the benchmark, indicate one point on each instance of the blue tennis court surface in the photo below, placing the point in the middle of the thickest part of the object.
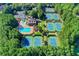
(52, 41)
(37, 41)
(58, 26)
(55, 17)
(27, 41)
(54, 26)
(50, 27)
(52, 16)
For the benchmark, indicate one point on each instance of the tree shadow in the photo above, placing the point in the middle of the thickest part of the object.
(76, 44)
(25, 42)
(13, 23)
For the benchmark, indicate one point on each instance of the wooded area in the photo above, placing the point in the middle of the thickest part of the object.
(10, 37)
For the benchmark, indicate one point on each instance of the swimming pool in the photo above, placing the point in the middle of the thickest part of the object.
(37, 41)
(58, 26)
(52, 16)
(50, 26)
(27, 42)
(25, 29)
(52, 41)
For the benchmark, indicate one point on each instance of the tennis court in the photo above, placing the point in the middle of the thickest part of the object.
(50, 26)
(52, 41)
(27, 41)
(37, 41)
(52, 16)
(58, 26)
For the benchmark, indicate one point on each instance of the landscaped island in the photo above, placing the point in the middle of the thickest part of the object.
(39, 29)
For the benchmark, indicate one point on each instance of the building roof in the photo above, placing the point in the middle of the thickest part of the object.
(20, 16)
(49, 10)
(1, 7)
(20, 12)
(31, 21)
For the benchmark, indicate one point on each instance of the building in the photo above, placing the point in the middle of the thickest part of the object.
(20, 14)
(1, 7)
(20, 17)
(49, 10)
(32, 21)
